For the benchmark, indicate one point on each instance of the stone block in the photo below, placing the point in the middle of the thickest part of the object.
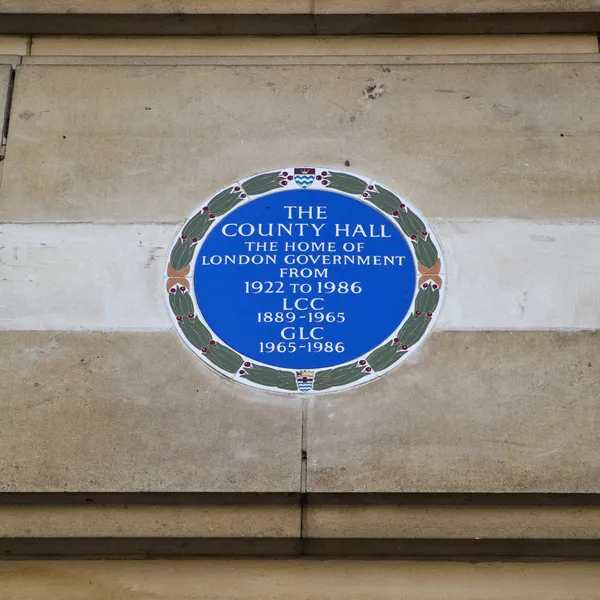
(14, 44)
(132, 259)
(142, 520)
(469, 412)
(254, 579)
(4, 83)
(136, 412)
(189, 7)
(5, 71)
(150, 143)
(346, 7)
(311, 45)
(454, 522)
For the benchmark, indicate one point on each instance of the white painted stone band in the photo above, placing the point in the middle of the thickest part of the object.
(502, 275)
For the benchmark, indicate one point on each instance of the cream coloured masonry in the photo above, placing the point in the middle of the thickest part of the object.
(69, 46)
(502, 275)
(300, 579)
(293, 6)
(149, 143)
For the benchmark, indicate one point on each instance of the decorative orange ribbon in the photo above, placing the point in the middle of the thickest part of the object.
(431, 274)
(177, 277)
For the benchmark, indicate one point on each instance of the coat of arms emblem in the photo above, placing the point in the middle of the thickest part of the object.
(304, 177)
(305, 380)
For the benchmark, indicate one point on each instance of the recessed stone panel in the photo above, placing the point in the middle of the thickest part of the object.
(116, 412)
(470, 412)
(149, 143)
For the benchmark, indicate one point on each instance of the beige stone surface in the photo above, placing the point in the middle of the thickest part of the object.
(294, 6)
(452, 6)
(513, 295)
(277, 520)
(136, 412)
(14, 44)
(8, 60)
(297, 60)
(150, 143)
(470, 412)
(194, 7)
(135, 520)
(455, 522)
(4, 82)
(301, 579)
(311, 45)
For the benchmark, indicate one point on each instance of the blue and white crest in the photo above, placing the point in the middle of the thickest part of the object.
(305, 380)
(304, 177)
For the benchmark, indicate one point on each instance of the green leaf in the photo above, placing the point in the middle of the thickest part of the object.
(267, 376)
(224, 357)
(426, 252)
(262, 183)
(413, 329)
(196, 332)
(346, 183)
(224, 201)
(410, 223)
(416, 222)
(385, 356)
(182, 254)
(338, 376)
(181, 304)
(197, 226)
(427, 300)
(385, 200)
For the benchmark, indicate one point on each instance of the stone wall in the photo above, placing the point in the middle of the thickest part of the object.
(295, 580)
(112, 142)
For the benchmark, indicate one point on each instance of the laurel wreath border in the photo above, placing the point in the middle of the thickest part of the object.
(388, 354)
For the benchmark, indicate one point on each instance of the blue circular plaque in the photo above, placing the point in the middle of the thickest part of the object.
(304, 280)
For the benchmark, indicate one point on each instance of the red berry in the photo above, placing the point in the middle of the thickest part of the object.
(205, 208)
(194, 240)
(246, 364)
(365, 195)
(396, 340)
(404, 347)
(319, 177)
(425, 285)
(362, 362)
(242, 195)
(236, 188)
(284, 183)
(325, 182)
(242, 372)
(290, 178)
(204, 350)
(191, 316)
(183, 236)
(172, 290)
(413, 237)
(403, 206)
(211, 216)
(323, 173)
(212, 342)
(395, 213)
(368, 369)
(417, 312)
(434, 286)
(183, 289)
(430, 314)
(424, 233)
(371, 187)
(179, 317)
(285, 174)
